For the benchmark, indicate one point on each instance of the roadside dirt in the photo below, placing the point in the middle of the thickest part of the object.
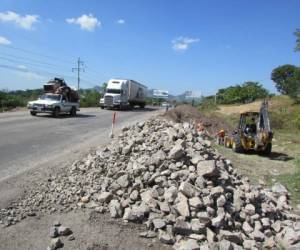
(187, 113)
(92, 231)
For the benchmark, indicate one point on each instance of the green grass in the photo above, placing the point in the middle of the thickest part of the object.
(292, 182)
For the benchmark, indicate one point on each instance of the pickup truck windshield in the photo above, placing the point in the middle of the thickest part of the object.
(50, 97)
(113, 91)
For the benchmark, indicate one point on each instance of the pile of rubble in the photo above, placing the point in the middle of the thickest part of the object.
(57, 231)
(167, 176)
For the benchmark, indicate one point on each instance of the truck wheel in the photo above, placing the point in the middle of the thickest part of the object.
(237, 145)
(268, 149)
(33, 113)
(73, 111)
(226, 142)
(102, 107)
(142, 105)
(56, 112)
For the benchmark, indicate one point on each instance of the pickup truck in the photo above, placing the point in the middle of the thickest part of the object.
(54, 104)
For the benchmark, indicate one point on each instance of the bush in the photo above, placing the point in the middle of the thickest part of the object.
(208, 104)
(90, 98)
(245, 93)
(286, 118)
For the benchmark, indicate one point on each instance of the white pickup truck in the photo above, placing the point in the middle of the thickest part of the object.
(54, 104)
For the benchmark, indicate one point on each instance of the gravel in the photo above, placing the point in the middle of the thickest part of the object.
(167, 176)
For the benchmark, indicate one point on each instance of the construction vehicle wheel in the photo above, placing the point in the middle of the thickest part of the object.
(268, 149)
(56, 112)
(33, 113)
(237, 145)
(73, 111)
(226, 143)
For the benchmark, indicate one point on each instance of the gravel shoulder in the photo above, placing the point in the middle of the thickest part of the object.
(43, 145)
(92, 231)
(98, 231)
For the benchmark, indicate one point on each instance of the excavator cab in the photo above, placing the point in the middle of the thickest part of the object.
(253, 132)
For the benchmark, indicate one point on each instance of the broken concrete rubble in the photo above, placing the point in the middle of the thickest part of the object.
(167, 176)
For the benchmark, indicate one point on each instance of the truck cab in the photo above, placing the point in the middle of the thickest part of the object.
(54, 104)
(121, 93)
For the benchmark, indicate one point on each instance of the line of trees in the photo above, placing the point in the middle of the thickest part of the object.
(19, 98)
(242, 93)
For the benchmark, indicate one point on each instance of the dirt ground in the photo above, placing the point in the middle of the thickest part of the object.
(186, 113)
(92, 231)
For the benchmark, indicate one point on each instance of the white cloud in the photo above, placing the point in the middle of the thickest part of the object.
(29, 75)
(86, 22)
(24, 71)
(49, 20)
(121, 21)
(33, 76)
(25, 22)
(4, 41)
(182, 43)
(22, 67)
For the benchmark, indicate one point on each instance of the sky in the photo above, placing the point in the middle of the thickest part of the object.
(173, 45)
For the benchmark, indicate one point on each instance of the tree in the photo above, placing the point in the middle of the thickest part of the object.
(287, 80)
(297, 34)
(103, 87)
(252, 91)
(247, 92)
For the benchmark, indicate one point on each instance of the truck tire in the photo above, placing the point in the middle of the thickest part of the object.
(142, 105)
(237, 145)
(33, 113)
(56, 112)
(102, 107)
(73, 111)
(227, 142)
(267, 151)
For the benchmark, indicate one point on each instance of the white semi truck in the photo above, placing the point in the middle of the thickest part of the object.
(123, 93)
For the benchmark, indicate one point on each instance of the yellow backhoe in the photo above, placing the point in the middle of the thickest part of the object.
(253, 132)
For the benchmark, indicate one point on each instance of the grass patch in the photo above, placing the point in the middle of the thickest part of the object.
(292, 182)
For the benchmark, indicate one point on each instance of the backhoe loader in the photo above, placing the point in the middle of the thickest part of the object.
(253, 132)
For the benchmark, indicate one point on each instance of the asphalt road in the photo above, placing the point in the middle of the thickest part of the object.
(27, 141)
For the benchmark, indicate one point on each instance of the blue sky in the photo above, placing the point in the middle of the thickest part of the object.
(175, 45)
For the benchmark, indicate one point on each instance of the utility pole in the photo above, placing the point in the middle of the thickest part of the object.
(78, 69)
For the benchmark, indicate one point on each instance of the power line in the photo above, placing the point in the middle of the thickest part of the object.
(34, 53)
(78, 69)
(36, 63)
(32, 60)
(42, 73)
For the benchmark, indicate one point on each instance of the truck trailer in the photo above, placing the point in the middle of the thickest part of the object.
(124, 93)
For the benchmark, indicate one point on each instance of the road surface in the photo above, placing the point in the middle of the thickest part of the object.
(33, 147)
(26, 140)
